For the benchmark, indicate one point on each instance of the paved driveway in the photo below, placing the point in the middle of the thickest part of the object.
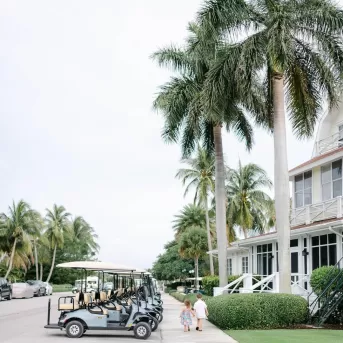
(23, 320)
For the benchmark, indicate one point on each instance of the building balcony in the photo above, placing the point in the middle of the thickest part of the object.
(309, 214)
(329, 143)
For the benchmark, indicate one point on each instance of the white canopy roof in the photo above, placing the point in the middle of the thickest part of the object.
(135, 272)
(97, 266)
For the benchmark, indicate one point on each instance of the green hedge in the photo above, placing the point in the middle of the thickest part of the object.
(321, 277)
(257, 311)
(62, 288)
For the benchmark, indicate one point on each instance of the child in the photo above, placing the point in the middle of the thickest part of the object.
(200, 310)
(186, 319)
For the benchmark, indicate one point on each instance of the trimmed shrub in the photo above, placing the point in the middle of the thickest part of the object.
(257, 311)
(320, 278)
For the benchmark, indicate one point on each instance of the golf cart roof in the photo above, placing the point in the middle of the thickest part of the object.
(97, 266)
(135, 272)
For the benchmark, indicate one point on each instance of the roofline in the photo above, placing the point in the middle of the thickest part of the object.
(295, 231)
(313, 162)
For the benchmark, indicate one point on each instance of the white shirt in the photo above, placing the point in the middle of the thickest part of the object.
(200, 308)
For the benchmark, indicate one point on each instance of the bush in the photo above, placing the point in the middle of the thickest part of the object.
(62, 288)
(208, 282)
(257, 311)
(321, 277)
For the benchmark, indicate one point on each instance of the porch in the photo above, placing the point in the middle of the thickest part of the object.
(318, 212)
(330, 143)
(251, 283)
(255, 259)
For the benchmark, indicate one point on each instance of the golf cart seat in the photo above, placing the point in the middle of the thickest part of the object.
(73, 304)
(68, 307)
(103, 296)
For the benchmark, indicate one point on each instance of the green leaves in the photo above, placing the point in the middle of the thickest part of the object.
(298, 40)
(249, 207)
(193, 243)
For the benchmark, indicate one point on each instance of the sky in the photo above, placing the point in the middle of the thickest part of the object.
(77, 125)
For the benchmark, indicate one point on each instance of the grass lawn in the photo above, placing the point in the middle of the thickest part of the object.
(287, 336)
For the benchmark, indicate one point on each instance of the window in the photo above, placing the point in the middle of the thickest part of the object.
(294, 243)
(324, 250)
(303, 189)
(340, 135)
(332, 180)
(264, 259)
(229, 266)
(245, 265)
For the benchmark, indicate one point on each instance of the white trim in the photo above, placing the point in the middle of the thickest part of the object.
(318, 163)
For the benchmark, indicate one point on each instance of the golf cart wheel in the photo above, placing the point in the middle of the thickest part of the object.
(153, 324)
(9, 297)
(160, 317)
(74, 329)
(142, 330)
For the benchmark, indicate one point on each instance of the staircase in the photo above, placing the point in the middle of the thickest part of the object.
(324, 304)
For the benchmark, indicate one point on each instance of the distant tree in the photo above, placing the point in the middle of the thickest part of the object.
(58, 225)
(193, 245)
(18, 227)
(248, 204)
(200, 175)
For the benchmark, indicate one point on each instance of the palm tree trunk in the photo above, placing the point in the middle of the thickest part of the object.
(209, 239)
(222, 241)
(52, 264)
(281, 183)
(11, 258)
(196, 265)
(245, 232)
(36, 259)
(41, 272)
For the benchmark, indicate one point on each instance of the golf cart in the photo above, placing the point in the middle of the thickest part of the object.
(96, 311)
(130, 289)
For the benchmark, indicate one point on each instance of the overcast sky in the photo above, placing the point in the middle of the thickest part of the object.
(77, 126)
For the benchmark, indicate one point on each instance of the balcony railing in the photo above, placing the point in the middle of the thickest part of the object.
(317, 212)
(330, 143)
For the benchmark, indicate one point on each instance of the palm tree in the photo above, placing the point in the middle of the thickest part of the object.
(247, 201)
(191, 215)
(19, 226)
(297, 46)
(187, 121)
(44, 253)
(57, 226)
(193, 244)
(201, 176)
(84, 234)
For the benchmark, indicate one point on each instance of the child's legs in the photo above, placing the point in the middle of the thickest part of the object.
(185, 328)
(200, 323)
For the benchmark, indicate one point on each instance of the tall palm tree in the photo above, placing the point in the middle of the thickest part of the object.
(190, 215)
(297, 46)
(19, 226)
(193, 244)
(58, 225)
(201, 176)
(247, 201)
(187, 121)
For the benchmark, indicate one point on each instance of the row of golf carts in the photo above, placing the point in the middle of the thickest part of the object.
(133, 303)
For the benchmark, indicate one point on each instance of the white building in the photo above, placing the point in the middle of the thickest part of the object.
(316, 220)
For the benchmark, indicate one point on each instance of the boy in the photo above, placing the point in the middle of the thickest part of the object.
(200, 311)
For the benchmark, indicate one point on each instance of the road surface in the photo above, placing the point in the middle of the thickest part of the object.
(23, 320)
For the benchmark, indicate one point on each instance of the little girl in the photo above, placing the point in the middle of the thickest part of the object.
(186, 319)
